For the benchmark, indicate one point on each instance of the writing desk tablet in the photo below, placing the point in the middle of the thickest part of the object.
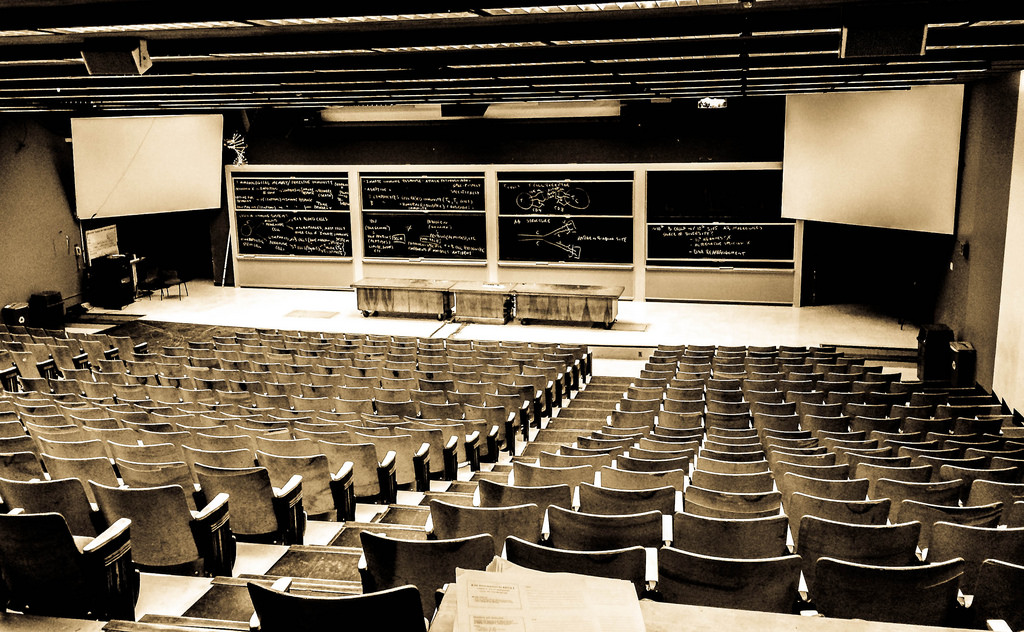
(404, 296)
(566, 302)
(483, 302)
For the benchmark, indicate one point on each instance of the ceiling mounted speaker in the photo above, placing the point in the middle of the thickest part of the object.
(883, 40)
(118, 57)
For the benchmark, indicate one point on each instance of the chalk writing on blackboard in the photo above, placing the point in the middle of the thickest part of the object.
(720, 241)
(558, 196)
(552, 238)
(576, 239)
(434, 235)
(422, 192)
(294, 233)
(283, 193)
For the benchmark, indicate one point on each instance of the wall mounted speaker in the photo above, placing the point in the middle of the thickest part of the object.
(118, 57)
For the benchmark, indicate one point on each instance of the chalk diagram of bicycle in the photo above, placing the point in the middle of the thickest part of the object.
(567, 228)
(559, 196)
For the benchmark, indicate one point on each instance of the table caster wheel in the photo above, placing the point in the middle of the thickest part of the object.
(365, 313)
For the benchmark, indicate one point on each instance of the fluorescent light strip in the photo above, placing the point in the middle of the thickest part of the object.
(293, 53)
(796, 32)
(833, 51)
(630, 40)
(403, 17)
(25, 33)
(605, 6)
(515, 65)
(451, 47)
(656, 59)
(125, 28)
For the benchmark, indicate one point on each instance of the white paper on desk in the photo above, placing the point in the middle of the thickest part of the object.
(521, 600)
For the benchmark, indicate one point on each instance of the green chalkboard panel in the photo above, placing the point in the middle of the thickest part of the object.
(735, 195)
(577, 239)
(713, 244)
(441, 192)
(432, 235)
(301, 233)
(313, 191)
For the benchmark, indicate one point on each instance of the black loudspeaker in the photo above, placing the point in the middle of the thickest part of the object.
(16, 315)
(879, 39)
(963, 363)
(934, 355)
(118, 57)
(47, 310)
(110, 282)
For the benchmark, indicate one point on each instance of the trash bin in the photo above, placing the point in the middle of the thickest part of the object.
(16, 315)
(934, 355)
(963, 362)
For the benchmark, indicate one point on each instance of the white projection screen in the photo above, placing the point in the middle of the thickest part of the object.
(887, 159)
(146, 164)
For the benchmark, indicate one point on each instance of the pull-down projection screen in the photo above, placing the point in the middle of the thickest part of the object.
(885, 159)
(146, 164)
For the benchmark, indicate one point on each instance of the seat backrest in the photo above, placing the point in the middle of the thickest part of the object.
(527, 475)
(608, 500)
(65, 496)
(984, 492)
(975, 544)
(20, 466)
(928, 515)
(933, 493)
(874, 472)
(869, 512)
(767, 584)
(628, 563)
(96, 469)
(316, 478)
(494, 494)
(997, 594)
(161, 532)
(593, 532)
(730, 537)
(251, 496)
(883, 545)
(718, 504)
(44, 571)
(841, 489)
(628, 479)
(278, 611)
(452, 521)
(428, 565)
(911, 594)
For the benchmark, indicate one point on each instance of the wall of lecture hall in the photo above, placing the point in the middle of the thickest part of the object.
(1009, 360)
(38, 232)
(970, 297)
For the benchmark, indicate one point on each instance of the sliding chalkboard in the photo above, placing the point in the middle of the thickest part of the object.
(301, 233)
(733, 195)
(324, 192)
(734, 245)
(424, 215)
(587, 239)
(433, 235)
(583, 217)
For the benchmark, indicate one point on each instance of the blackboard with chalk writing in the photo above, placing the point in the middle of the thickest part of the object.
(424, 215)
(718, 218)
(709, 244)
(297, 233)
(570, 217)
(433, 235)
(322, 192)
(304, 216)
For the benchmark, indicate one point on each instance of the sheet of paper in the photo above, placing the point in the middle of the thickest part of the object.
(513, 599)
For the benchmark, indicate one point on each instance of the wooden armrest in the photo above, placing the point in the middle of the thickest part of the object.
(110, 554)
(212, 532)
(492, 443)
(47, 368)
(450, 458)
(112, 534)
(421, 467)
(387, 477)
(291, 519)
(81, 360)
(111, 353)
(524, 419)
(141, 347)
(343, 491)
(472, 442)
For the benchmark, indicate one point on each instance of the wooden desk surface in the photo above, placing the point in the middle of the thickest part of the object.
(565, 289)
(403, 284)
(483, 288)
(670, 617)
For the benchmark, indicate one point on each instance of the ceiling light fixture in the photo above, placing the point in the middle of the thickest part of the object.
(712, 103)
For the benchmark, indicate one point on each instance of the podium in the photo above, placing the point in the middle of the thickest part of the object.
(110, 282)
